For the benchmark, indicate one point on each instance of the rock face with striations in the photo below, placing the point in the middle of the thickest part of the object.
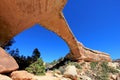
(7, 63)
(19, 15)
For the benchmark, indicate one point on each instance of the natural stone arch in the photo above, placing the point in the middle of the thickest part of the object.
(18, 15)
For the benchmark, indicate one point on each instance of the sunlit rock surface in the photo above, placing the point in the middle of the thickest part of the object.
(19, 15)
(7, 63)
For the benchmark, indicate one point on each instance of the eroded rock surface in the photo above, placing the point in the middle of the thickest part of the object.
(90, 55)
(4, 77)
(7, 63)
(22, 75)
(19, 15)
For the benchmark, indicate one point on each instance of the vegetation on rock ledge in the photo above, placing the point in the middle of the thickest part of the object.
(37, 67)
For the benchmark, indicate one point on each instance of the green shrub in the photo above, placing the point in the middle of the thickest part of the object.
(100, 70)
(105, 67)
(112, 70)
(102, 76)
(108, 69)
(105, 70)
(77, 65)
(37, 67)
(82, 64)
(93, 65)
(118, 67)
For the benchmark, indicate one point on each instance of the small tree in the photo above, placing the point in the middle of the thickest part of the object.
(8, 45)
(37, 67)
(21, 60)
(36, 54)
(15, 53)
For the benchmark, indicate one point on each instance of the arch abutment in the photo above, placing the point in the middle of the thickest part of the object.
(58, 25)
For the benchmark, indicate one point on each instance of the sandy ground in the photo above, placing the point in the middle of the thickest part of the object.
(48, 76)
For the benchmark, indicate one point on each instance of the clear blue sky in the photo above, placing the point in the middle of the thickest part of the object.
(95, 23)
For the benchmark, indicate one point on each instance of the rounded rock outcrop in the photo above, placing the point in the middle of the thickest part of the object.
(7, 62)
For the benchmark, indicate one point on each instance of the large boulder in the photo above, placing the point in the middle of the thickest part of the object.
(7, 62)
(71, 72)
(22, 75)
(3, 77)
